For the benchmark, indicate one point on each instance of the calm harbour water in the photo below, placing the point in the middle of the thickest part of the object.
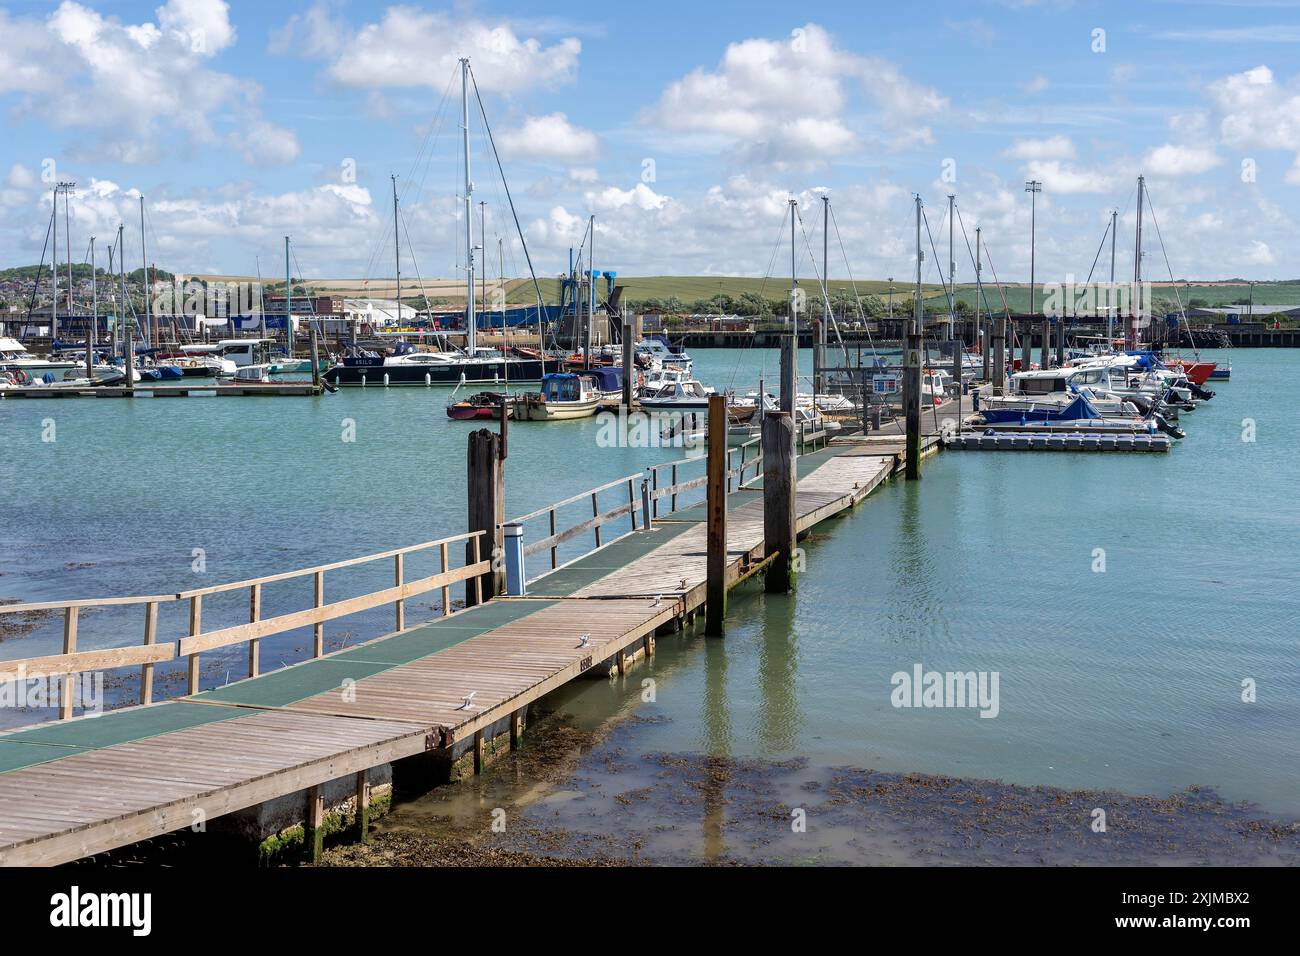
(1127, 679)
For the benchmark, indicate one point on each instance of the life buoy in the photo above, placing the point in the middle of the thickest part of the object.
(21, 377)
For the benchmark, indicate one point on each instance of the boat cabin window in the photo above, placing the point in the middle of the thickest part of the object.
(562, 390)
(1041, 386)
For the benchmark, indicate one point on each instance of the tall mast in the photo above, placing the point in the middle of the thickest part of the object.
(288, 303)
(979, 297)
(128, 340)
(94, 314)
(471, 318)
(1137, 239)
(918, 313)
(952, 300)
(1110, 313)
(794, 281)
(54, 270)
(67, 240)
(826, 275)
(397, 253)
(144, 278)
(591, 289)
(482, 244)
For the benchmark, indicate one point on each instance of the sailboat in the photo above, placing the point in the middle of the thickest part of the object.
(473, 365)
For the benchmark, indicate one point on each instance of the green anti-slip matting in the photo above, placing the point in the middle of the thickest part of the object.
(292, 684)
(613, 557)
(51, 741)
(278, 688)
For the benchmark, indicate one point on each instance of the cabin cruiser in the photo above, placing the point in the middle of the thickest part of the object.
(687, 394)
(658, 354)
(564, 395)
(14, 356)
(1080, 415)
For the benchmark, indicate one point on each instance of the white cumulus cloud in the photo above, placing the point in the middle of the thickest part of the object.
(550, 137)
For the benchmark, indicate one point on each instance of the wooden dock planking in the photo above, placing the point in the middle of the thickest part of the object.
(160, 783)
(679, 567)
(506, 668)
(61, 810)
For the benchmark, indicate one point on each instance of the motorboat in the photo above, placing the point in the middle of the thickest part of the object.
(689, 394)
(483, 405)
(564, 395)
(14, 357)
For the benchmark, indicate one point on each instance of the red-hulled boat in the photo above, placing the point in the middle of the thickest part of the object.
(482, 405)
(1198, 373)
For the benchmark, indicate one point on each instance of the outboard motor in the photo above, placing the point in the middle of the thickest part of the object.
(1204, 394)
(1172, 431)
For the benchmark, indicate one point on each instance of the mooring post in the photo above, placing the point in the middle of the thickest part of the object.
(912, 402)
(779, 531)
(789, 371)
(999, 354)
(819, 355)
(1045, 356)
(485, 486)
(629, 364)
(1026, 343)
(315, 361)
(716, 598)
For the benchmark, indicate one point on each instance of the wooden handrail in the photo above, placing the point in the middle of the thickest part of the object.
(151, 652)
(322, 568)
(578, 497)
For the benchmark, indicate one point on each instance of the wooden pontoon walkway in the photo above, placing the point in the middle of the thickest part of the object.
(78, 787)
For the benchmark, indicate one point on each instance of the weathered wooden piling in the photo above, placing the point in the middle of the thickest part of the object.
(789, 371)
(999, 357)
(1045, 360)
(629, 368)
(485, 486)
(315, 360)
(819, 355)
(779, 520)
(912, 402)
(716, 600)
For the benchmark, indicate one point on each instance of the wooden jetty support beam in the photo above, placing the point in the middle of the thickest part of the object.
(485, 483)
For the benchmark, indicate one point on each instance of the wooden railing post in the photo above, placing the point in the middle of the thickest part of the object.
(318, 631)
(399, 605)
(595, 513)
(555, 550)
(716, 599)
(150, 636)
(69, 647)
(196, 626)
(446, 591)
(254, 614)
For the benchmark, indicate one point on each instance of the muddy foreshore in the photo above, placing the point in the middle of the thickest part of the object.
(577, 798)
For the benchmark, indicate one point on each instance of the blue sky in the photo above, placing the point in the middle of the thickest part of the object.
(682, 126)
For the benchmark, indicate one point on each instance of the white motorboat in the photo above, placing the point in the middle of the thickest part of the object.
(15, 357)
(689, 394)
